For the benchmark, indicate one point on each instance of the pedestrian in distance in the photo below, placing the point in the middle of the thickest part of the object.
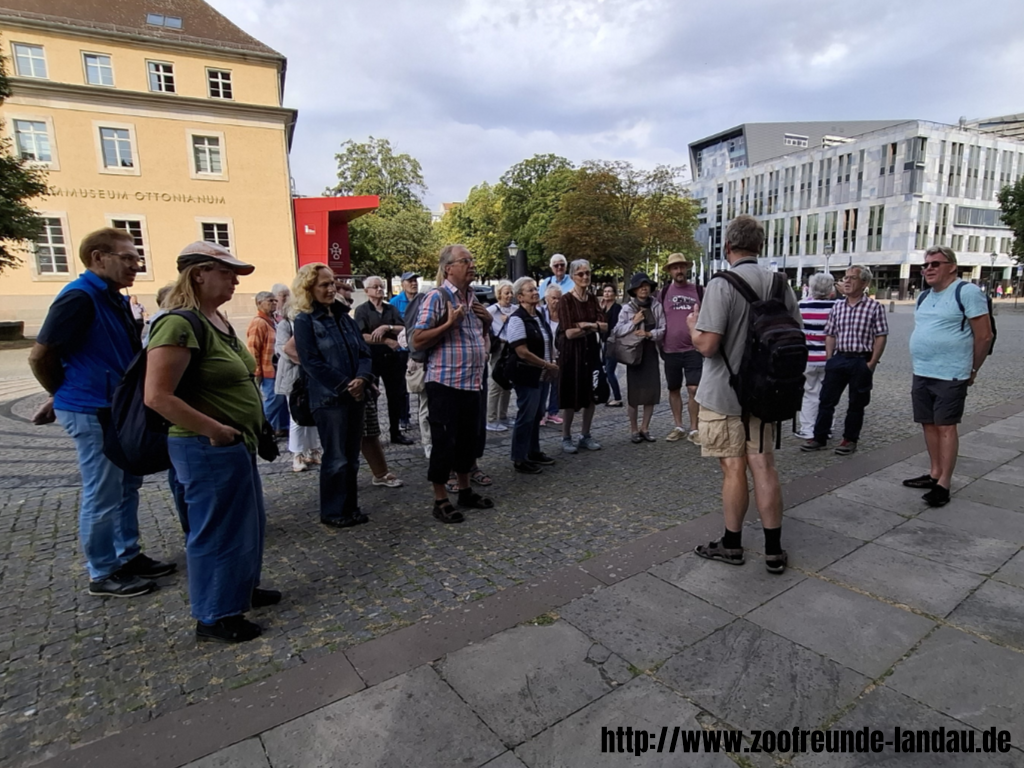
(216, 418)
(644, 318)
(952, 338)
(86, 342)
(719, 329)
(531, 371)
(855, 336)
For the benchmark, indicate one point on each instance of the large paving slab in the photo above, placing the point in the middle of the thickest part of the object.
(644, 619)
(1013, 427)
(996, 610)
(525, 679)
(983, 450)
(857, 631)
(1013, 571)
(884, 493)
(856, 520)
(923, 584)
(245, 754)
(810, 548)
(737, 589)
(987, 520)
(1008, 474)
(884, 709)
(951, 546)
(644, 705)
(752, 678)
(998, 494)
(411, 720)
(965, 465)
(967, 678)
(895, 474)
(507, 760)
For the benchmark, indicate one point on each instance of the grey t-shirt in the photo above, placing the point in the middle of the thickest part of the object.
(726, 312)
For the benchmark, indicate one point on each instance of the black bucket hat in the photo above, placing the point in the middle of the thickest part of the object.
(637, 280)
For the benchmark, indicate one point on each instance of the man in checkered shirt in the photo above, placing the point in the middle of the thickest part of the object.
(855, 336)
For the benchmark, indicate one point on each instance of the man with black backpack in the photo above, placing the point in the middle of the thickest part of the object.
(736, 418)
(953, 336)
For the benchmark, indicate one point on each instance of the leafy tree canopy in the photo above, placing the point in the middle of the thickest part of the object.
(530, 193)
(1011, 201)
(476, 223)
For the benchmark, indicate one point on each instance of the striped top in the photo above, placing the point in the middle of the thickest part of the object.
(458, 360)
(815, 314)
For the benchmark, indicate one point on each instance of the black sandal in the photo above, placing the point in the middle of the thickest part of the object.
(446, 513)
(715, 551)
(472, 500)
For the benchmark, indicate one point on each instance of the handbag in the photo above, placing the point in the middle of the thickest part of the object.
(415, 377)
(627, 349)
(500, 370)
(298, 402)
(601, 389)
(266, 447)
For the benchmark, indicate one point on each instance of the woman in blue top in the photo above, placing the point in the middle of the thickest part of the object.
(337, 364)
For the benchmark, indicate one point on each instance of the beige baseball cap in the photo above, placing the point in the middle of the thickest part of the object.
(201, 252)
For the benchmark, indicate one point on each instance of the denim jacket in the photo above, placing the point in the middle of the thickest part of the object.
(331, 352)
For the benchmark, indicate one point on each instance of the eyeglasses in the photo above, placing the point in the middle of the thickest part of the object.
(934, 264)
(558, 264)
(583, 274)
(464, 261)
(127, 258)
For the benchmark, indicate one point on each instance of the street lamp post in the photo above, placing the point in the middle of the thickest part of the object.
(828, 257)
(513, 252)
(992, 279)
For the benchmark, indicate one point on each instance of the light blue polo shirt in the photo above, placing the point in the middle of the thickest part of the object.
(939, 348)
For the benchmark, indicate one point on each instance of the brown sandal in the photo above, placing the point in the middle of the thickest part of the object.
(446, 513)
(715, 551)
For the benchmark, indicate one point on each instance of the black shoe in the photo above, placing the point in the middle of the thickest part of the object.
(401, 439)
(924, 481)
(121, 585)
(540, 458)
(261, 598)
(813, 445)
(937, 496)
(527, 468)
(232, 629)
(147, 568)
(345, 522)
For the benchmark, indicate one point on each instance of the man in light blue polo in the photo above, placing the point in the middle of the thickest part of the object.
(952, 338)
(87, 341)
(559, 266)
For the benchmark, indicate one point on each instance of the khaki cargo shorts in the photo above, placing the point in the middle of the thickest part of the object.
(724, 437)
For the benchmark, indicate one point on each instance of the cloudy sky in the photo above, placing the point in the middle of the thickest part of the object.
(470, 87)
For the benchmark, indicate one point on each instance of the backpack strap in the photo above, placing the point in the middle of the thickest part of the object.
(921, 296)
(742, 286)
(960, 303)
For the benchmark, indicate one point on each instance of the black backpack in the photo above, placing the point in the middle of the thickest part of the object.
(770, 381)
(134, 435)
(960, 303)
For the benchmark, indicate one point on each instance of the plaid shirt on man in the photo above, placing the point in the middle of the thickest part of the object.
(259, 338)
(855, 327)
(459, 358)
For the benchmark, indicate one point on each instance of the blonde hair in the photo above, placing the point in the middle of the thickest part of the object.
(302, 288)
(183, 294)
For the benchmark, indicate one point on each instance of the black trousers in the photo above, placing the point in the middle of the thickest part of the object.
(391, 370)
(843, 371)
(454, 417)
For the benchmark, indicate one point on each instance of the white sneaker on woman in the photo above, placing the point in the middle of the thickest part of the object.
(496, 426)
(298, 464)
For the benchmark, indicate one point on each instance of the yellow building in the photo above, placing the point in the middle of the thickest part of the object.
(160, 117)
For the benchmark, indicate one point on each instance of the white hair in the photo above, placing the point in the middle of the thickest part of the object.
(577, 265)
(373, 278)
(820, 285)
(520, 285)
(557, 257)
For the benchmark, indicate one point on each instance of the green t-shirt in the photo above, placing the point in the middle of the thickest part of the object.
(221, 386)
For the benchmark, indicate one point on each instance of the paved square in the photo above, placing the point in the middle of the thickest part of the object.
(999, 494)
(981, 519)
(855, 630)
(810, 548)
(752, 678)
(996, 610)
(1013, 571)
(245, 754)
(950, 546)
(859, 521)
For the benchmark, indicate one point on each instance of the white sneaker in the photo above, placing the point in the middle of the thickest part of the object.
(496, 426)
(389, 480)
(426, 451)
(298, 465)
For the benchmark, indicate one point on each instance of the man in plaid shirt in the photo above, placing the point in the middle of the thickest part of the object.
(855, 336)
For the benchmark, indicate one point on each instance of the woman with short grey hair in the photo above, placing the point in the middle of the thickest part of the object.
(497, 396)
(815, 310)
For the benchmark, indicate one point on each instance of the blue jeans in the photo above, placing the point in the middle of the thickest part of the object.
(529, 408)
(226, 521)
(610, 364)
(552, 401)
(341, 435)
(275, 407)
(108, 515)
(842, 371)
(178, 494)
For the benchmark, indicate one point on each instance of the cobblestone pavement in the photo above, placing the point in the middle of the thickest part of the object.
(75, 667)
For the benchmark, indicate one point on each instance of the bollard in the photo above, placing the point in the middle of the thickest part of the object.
(892, 307)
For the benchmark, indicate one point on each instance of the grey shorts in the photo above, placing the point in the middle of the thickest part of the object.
(679, 364)
(937, 401)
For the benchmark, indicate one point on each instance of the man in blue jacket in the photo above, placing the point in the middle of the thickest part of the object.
(87, 341)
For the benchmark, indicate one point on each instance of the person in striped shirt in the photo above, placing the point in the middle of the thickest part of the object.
(814, 310)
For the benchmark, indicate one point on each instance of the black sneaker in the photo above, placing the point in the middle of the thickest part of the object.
(261, 598)
(121, 585)
(232, 629)
(401, 439)
(540, 458)
(937, 496)
(345, 522)
(813, 445)
(146, 567)
(527, 468)
(923, 481)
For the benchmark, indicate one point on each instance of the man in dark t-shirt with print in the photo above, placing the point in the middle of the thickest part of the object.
(678, 299)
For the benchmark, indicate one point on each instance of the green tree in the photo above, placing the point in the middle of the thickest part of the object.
(397, 236)
(19, 183)
(530, 193)
(1011, 201)
(618, 216)
(476, 223)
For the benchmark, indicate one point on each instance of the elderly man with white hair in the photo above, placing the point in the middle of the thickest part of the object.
(260, 338)
(815, 310)
(560, 277)
(380, 323)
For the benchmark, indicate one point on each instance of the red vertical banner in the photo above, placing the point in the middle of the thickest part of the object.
(338, 251)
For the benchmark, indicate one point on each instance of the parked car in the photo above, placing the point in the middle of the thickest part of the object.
(485, 294)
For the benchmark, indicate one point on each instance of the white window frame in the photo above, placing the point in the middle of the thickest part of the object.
(54, 163)
(136, 169)
(85, 69)
(146, 243)
(17, 68)
(149, 81)
(72, 253)
(200, 220)
(231, 83)
(190, 135)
